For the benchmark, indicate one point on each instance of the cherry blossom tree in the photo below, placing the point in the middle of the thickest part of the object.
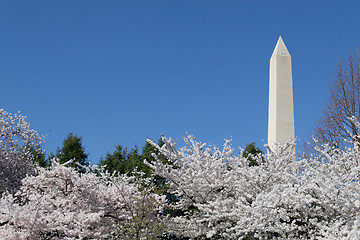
(222, 197)
(61, 203)
(17, 145)
(218, 193)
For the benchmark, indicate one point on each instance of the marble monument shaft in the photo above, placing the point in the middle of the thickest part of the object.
(281, 110)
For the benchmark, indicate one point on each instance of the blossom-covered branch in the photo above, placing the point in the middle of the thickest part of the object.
(17, 141)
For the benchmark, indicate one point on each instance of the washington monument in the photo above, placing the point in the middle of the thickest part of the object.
(281, 109)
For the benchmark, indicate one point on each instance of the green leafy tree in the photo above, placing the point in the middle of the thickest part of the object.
(115, 161)
(72, 149)
(251, 152)
(136, 162)
(123, 161)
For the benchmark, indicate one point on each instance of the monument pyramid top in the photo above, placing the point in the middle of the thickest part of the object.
(280, 49)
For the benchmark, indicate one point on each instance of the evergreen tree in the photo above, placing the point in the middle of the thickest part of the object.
(115, 161)
(250, 152)
(124, 162)
(72, 149)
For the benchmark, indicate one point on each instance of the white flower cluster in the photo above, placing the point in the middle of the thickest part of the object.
(222, 197)
(61, 203)
(16, 142)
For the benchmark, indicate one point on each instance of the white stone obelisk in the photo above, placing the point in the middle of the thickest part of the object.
(281, 109)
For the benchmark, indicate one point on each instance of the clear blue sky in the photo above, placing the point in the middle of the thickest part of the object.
(118, 72)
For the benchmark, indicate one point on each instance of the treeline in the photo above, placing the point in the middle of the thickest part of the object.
(123, 160)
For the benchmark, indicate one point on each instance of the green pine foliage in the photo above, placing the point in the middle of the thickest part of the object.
(123, 161)
(250, 152)
(72, 149)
